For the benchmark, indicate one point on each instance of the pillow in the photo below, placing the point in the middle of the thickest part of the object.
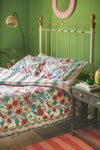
(74, 69)
(50, 68)
(74, 74)
(30, 65)
(62, 69)
(24, 64)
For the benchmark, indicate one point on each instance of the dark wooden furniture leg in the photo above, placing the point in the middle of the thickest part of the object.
(84, 113)
(95, 116)
(73, 114)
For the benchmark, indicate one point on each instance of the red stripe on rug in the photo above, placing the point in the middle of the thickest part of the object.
(68, 141)
(79, 142)
(90, 136)
(38, 147)
(63, 144)
(92, 132)
(58, 144)
(46, 146)
(75, 142)
(55, 145)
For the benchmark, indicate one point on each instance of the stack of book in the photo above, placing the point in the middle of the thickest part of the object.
(86, 86)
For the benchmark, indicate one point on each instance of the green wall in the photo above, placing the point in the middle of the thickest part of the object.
(11, 39)
(37, 8)
(29, 12)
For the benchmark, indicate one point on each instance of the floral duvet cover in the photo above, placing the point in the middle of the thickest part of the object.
(30, 102)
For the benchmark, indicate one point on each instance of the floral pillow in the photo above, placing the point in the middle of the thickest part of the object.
(71, 75)
(30, 65)
(62, 69)
(50, 68)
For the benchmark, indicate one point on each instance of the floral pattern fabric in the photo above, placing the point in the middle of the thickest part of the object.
(30, 65)
(26, 104)
(49, 67)
(33, 93)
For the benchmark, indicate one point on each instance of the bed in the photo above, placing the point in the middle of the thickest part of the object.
(35, 92)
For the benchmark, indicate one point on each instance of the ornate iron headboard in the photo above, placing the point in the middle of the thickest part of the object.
(85, 37)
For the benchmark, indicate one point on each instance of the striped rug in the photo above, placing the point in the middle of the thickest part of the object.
(69, 142)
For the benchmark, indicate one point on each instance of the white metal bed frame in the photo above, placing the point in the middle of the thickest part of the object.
(90, 31)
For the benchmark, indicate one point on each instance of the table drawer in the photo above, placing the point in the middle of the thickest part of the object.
(86, 97)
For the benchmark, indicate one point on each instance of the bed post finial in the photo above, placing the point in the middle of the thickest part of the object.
(40, 34)
(41, 21)
(92, 38)
(92, 23)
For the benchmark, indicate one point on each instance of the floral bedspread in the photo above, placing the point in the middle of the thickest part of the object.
(27, 102)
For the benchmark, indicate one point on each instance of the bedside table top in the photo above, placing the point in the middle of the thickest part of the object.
(96, 93)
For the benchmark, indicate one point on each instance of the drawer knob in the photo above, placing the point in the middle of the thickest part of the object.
(80, 95)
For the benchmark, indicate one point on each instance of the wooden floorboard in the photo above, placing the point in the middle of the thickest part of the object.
(8, 143)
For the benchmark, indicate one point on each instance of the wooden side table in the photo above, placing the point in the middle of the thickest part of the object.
(86, 98)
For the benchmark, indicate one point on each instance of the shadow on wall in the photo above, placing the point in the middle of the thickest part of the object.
(7, 56)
